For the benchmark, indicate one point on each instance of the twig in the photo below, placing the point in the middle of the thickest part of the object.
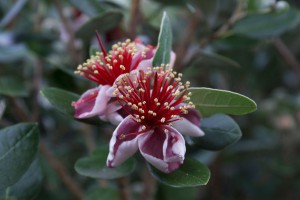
(61, 170)
(187, 38)
(37, 80)
(124, 192)
(69, 30)
(135, 16)
(20, 113)
(149, 185)
(287, 55)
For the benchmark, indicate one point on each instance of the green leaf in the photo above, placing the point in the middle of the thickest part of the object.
(62, 101)
(164, 45)
(191, 173)
(212, 101)
(29, 185)
(94, 166)
(267, 25)
(220, 131)
(101, 23)
(101, 194)
(18, 148)
(13, 86)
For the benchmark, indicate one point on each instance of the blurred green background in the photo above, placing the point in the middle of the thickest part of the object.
(247, 46)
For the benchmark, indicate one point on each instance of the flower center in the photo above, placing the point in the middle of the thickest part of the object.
(104, 68)
(153, 98)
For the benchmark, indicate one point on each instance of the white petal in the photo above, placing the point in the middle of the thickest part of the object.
(121, 149)
(187, 128)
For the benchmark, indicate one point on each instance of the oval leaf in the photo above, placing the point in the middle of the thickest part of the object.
(13, 86)
(94, 166)
(90, 8)
(101, 23)
(18, 148)
(267, 25)
(220, 131)
(212, 101)
(29, 185)
(62, 101)
(164, 45)
(191, 173)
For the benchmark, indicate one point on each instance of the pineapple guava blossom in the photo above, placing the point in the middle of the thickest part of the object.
(104, 68)
(154, 100)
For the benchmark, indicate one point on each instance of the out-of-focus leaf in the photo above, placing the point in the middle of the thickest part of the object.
(18, 147)
(191, 173)
(267, 25)
(213, 59)
(91, 8)
(220, 131)
(164, 45)
(212, 101)
(12, 53)
(101, 194)
(13, 86)
(94, 166)
(29, 185)
(101, 23)
(62, 101)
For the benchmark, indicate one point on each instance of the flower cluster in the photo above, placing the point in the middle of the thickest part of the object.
(104, 68)
(157, 104)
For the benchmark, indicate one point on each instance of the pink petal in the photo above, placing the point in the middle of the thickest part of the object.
(190, 125)
(91, 103)
(110, 114)
(122, 149)
(163, 150)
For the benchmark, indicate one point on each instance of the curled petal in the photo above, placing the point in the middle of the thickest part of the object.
(164, 150)
(190, 125)
(122, 145)
(91, 103)
(172, 59)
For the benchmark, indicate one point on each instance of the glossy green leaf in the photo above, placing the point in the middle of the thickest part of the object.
(18, 148)
(62, 101)
(191, 173)
(220, 131)
(101, 23)
(267, 25)
(13, 86)
(164, 45)
(94, 166)
(101, 194)
(212, 101)
(29, 185)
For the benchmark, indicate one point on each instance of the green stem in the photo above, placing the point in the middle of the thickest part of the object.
(7, 191)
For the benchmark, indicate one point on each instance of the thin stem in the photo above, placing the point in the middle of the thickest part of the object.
(123, 187)
(69, 30)
(37, 80)
(61, 170)
(187, 38)
(149, 185)
(135, 16)
(7, 191)
(287, 55)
